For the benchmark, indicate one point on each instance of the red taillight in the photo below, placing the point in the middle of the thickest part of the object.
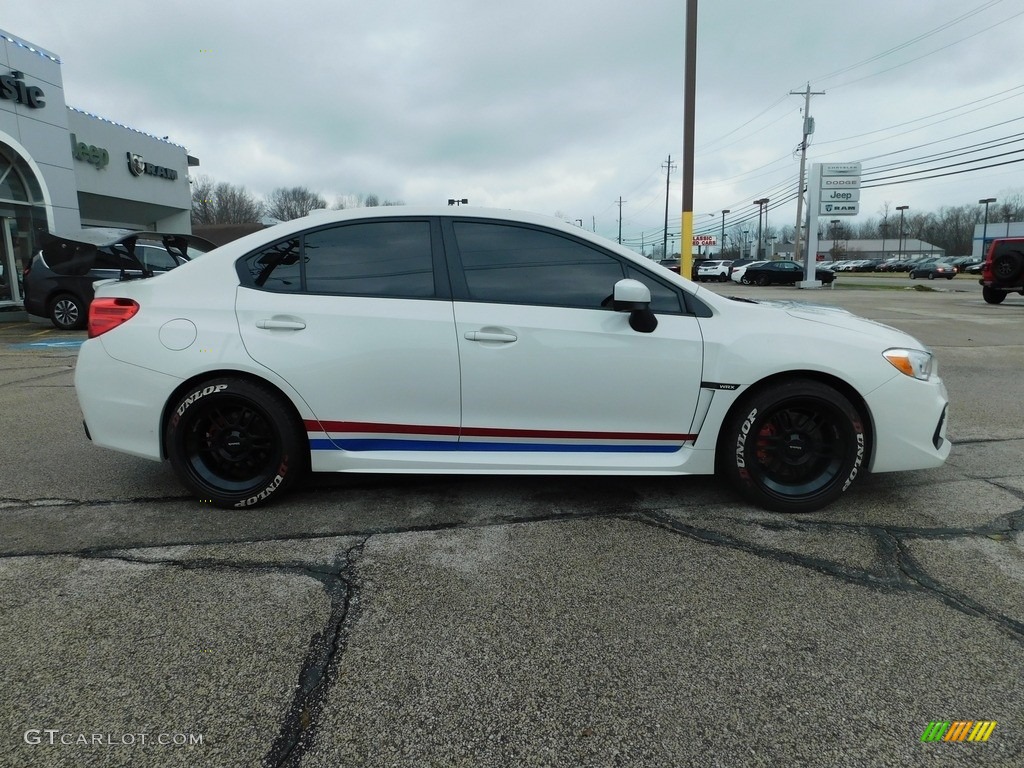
(107, 314)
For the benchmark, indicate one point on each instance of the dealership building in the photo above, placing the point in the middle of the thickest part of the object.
(62, 168)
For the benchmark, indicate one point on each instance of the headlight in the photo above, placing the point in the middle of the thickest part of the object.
(912, 362)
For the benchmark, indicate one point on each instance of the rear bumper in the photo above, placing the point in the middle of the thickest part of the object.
(121, 403)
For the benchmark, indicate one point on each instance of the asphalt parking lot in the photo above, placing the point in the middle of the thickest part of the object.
(397, 621)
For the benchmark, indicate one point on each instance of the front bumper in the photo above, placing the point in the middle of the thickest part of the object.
(909, 418)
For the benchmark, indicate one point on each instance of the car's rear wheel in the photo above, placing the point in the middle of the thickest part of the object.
(992, 296)
(931, 275)
(235, 443)
(67, 312)
(745, 280)
(794, 446)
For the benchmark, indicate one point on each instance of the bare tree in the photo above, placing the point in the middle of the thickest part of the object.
(286, 203)
(223, 203)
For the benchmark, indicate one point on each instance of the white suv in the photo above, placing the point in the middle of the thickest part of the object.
(713, 270)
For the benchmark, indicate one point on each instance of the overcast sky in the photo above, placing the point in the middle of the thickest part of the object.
(556, 106)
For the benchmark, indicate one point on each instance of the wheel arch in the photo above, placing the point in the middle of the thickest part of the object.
(835, 382)
(191, 382)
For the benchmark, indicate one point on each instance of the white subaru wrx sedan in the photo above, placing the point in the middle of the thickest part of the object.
(477, 341)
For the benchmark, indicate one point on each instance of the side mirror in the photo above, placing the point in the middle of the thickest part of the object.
(634, 297)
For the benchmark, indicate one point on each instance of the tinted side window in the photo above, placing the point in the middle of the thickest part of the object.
(107, 260)
(380, 258)
(155, 258)
(517, 265)
(276, 267)
(663, 298)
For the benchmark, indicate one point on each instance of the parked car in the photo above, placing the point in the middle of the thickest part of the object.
(672, 264)
(458, 340)
(58, 282)
(737, 263)
(736, 273)
(933, 269)
(1003, 269)
(963, 264)
(713, 270)
(782, 273)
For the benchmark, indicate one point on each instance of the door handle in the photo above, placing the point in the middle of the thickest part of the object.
(275, 324)
(491, 336)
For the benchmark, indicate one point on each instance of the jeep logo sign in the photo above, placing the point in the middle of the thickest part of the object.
(138, 167)
(97, 156)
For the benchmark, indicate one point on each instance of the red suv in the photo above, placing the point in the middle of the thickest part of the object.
(1003, 270)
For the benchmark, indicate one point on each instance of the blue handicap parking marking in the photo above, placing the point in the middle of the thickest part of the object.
(54, 344)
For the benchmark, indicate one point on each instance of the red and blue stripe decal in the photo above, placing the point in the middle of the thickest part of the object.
(370, 436)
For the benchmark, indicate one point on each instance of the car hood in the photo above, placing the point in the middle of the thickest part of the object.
(837, 317)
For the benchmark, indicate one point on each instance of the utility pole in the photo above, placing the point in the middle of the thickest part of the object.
(620, 202)
(689, 121)
(808, 130)
(664, 238)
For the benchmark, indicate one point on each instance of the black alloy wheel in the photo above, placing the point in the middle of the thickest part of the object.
(794, 446)
(235, 443)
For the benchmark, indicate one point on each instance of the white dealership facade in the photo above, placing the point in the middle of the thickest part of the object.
(62, 168)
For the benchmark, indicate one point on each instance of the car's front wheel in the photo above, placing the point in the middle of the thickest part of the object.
(794, 446)
(67, 312)
(235, 443)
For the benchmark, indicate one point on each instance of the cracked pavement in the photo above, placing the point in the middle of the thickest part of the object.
(412, 621)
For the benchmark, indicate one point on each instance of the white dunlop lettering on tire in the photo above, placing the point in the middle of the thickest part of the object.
(282, 471)
(210, 390)
(860, 455)
(741, 442)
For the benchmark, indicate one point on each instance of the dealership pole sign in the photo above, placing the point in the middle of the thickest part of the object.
(833, 190)
(839, 190)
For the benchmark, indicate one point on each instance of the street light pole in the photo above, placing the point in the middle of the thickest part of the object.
(722, 246)
(984, 227)
(901, 209)
(835, 226)
(761, 206)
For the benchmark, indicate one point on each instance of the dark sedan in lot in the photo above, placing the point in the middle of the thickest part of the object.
(782, 273)
(933, 269)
